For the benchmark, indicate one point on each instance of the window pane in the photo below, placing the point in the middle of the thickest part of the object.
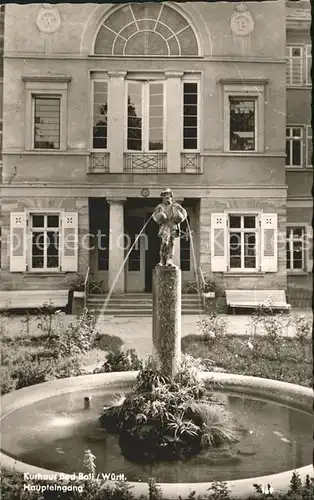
(296, 153)
(249, 221)
(52, 249)
(235, 250)
(156, 114)
(309, 145)
(47, 122)
(297, 232)
(249, 250)
(134, 140)
(100, 115)
(288, 157)
(53, 220)
(235, 221)
(190, 116)
(288, 254)
(38, 250)
(242, 124)
(38, 221)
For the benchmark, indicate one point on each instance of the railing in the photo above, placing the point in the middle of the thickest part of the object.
(86, 287)
(191, 163)
(145, 163)
(98, 163)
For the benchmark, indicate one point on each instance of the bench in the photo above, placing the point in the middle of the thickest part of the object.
(33, 299)
(253, 299)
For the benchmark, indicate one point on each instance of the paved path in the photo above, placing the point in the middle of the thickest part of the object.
(136, 332)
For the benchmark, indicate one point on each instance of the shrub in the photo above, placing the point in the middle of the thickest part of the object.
(78, 337)
(302, 326)
(50, 321)
(8, 383)
(33, 372)
(64, 368)
(120, 361)
(109, 342)
(212, 327)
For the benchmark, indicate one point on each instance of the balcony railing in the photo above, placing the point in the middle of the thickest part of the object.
(191, 163)
(145, 163)
(99, 163)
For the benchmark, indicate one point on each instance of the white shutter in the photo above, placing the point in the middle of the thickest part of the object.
(269, 243)
(309, 248)
(69, 242)
(18, 241)
(219, 242)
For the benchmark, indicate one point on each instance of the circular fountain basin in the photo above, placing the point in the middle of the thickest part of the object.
(47, 427)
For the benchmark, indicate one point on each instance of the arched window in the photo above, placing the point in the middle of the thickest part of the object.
(146, 30)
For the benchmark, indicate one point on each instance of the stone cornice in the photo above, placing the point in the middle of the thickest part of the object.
(47, 78)
(244, 81)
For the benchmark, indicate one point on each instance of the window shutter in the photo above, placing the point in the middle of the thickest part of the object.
(309, 248)
(269, 243)
(219, 242)
(69, 242)
(18, 241)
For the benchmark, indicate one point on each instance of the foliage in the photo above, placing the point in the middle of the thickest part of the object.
(154, 491)
(256, 356)
(78, 284)
(78, 337)
(12, 487)
(302, 326)
(49, 321)
(219, 491)
(120, 361)
(89, 462)
(109, 342)
(212, 326)
(149, 377)
(32, 372)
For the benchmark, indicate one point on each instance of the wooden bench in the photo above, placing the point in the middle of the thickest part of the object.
(33, 299)
(252, 299)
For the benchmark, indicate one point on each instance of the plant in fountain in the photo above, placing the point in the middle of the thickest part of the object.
(170, 418)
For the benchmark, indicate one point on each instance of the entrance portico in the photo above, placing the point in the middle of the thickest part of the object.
(115, 223)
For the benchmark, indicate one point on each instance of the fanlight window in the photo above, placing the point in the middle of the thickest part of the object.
(146, 29)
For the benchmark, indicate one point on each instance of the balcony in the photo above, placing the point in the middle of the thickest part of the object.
(191, 163)
(98, 163)
(145, 163)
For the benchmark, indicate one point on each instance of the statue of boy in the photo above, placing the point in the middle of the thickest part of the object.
(168, 215)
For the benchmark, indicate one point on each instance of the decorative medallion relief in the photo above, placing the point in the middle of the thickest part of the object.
(48, 19)
(241, 22)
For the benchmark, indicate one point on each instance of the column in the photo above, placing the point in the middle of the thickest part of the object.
(174, 120)
(177, 244)
(116, 245)
(116, 119)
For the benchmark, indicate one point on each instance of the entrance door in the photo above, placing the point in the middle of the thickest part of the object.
(151, 252)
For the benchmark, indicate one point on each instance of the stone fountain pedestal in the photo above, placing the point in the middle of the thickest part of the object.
(167, 319)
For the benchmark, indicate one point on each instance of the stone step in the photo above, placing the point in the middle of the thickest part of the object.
(139, 312)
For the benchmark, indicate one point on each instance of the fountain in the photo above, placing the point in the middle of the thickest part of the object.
(47, 427)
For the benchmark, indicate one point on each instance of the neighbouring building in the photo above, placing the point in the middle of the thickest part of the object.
(106, 105)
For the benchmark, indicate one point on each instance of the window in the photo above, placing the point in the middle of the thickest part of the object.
(100, 115)
(190, 116)
(242, 242)
(299, 60)
(295, 248)
(294, 146)
(242, 124)
(309, 146)
(45, 237)
(145, 116)
(185, 246)
(308, 64)
(146, 30)
(46, 111)
(243, 104)
(46, 122)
